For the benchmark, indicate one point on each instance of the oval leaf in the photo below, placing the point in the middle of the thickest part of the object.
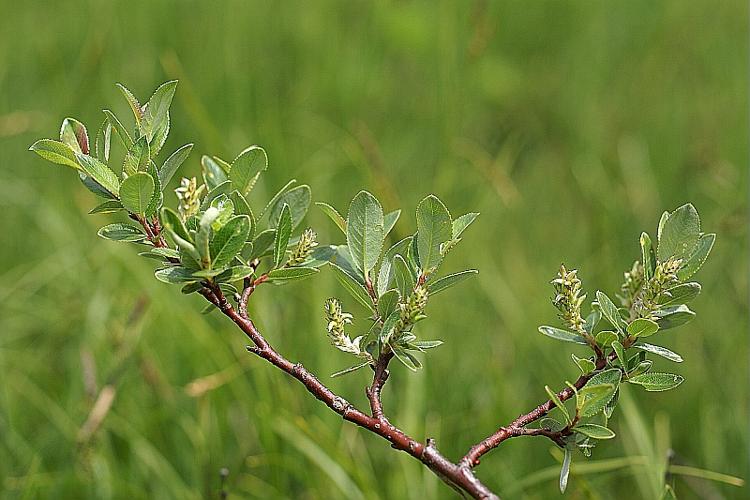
(679, 233)
(136, 192)
(246, 167)
(229, 240)
(563, 335)
(171, 164)
(659, 351)
(99, 172)
(121, 232)
(365, 231)
(333, 215)
(642, 327)
(74, 134)
(594, 431)
(283, 231)
(699, 255)
(290, 274)
(298, 200)
(434, 227)
(56, 152)
(354, 287)
(448, 281)
(655, 382)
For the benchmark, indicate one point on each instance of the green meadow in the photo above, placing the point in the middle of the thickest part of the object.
(570, 126)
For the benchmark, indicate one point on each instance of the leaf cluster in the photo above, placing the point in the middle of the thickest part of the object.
(394, 283)
(654, 298)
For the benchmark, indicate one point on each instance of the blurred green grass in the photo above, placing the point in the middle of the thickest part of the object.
(569, 125)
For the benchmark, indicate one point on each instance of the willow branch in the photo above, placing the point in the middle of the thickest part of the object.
(518, 426)
(460, 478)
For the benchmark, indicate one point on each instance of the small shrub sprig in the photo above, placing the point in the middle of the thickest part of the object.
(654, 298)
(223, 244)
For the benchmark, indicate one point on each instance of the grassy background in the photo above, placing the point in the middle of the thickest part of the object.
(570, 125)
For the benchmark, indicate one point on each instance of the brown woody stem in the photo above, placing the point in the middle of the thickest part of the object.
(460, 476)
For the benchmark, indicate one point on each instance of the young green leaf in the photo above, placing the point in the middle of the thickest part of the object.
(171, 164)
(229, 240)
(556, 400)
(609, 408)
(136, 192)
(388, 303)
(285, 275)
(640, 368)
(620, 352)
(119, 231)
(461, 223)
(213, 174)
(592, 406)
(642, 327)
(635, 359)
(107, 207)
(365, 231)
(565, 470)
(167, 253)
(386, 273)
(654, 382)
(157, 198)
(448, 281)
(679, 233)
(263, 243)
(135, 106)
(389, 220)
(605, 338)
(673, 316)
(333, 215)
(423, 345)
(99, 172)
(594, 397)
(350, 369)
(320, 256)
(354, 287)
(298, 200)
(103, 141)
(160, 137)
(609, 310)
(120, 131)
(592, 320)
(137, 157)
(220, 191)
(235, 273)
(648, 256)
(402, 276)
(174, 275)
(94, 186)
(56, 152)
(696, 259)
(386, 333)
(557, 334)
(73, 133)
(241, 207)
(659, 351)
(172, 221)
(279, 193)
(156, 110)
(246, 167)
(406, 359)
(283, 232)
(594, 431)
(203, 236)
(680, 294)
(583, 364)
(434, 227)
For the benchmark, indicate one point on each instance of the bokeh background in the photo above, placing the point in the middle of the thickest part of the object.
(569, 125)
